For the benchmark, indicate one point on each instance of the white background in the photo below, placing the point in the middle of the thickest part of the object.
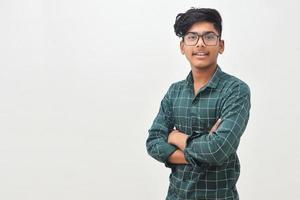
(81, 82)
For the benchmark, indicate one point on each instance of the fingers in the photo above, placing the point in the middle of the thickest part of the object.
(218, 123)
(215, 126)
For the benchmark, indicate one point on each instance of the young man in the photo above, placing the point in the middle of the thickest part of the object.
(202, 118)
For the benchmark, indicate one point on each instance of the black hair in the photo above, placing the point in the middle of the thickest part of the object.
(184, 21)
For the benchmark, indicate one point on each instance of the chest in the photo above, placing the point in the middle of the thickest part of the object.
(196, 114)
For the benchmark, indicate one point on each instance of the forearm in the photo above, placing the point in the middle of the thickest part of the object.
(158, 148)
(177, 158)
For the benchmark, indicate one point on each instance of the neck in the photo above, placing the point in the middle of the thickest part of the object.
(202, 76)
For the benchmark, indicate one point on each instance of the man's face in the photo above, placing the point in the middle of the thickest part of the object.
(201, 55)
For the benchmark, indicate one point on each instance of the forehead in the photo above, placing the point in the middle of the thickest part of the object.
(201, 27)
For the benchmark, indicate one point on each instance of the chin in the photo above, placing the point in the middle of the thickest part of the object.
(202, 66)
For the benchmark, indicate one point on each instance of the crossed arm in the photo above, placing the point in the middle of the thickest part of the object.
(178, 139)
(171, 146)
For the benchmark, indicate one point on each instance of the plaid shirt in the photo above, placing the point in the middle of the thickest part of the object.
(214, 167)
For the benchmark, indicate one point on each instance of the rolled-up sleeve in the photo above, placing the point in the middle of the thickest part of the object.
(216, 148)
(157, 145)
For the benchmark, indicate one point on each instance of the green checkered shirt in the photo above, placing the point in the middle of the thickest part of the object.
(214, 167)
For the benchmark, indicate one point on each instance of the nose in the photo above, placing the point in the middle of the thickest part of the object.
(200, 42)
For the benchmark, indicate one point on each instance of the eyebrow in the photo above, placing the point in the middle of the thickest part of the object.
(205, 32)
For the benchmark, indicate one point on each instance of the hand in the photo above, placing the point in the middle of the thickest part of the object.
(178, 139)
(177, 157)
(215, 127)
(172, 136)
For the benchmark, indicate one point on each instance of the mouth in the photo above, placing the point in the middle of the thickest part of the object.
(200, 54)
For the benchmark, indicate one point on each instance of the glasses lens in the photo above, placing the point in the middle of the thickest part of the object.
(191, 39)
(210, 39)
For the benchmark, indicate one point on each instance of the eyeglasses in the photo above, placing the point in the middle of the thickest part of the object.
(208, 38)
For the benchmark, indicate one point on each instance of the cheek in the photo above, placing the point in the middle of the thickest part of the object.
(187, 52)
(214, 53)
(189, 56)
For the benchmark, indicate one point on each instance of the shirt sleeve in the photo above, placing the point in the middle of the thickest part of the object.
(157, 145)
(216, 148)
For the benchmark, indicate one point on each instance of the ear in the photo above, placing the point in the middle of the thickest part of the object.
(182, 47)
(221, 46)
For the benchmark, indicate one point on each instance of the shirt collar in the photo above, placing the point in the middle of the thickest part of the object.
(212, 83)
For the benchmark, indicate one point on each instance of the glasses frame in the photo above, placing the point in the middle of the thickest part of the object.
(201, 36)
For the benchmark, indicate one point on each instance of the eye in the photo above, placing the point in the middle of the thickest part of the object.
(210, 36)
(191, 36)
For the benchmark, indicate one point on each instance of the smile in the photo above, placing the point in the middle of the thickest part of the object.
(201, 53)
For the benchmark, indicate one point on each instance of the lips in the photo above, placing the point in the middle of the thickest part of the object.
(200, 53)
